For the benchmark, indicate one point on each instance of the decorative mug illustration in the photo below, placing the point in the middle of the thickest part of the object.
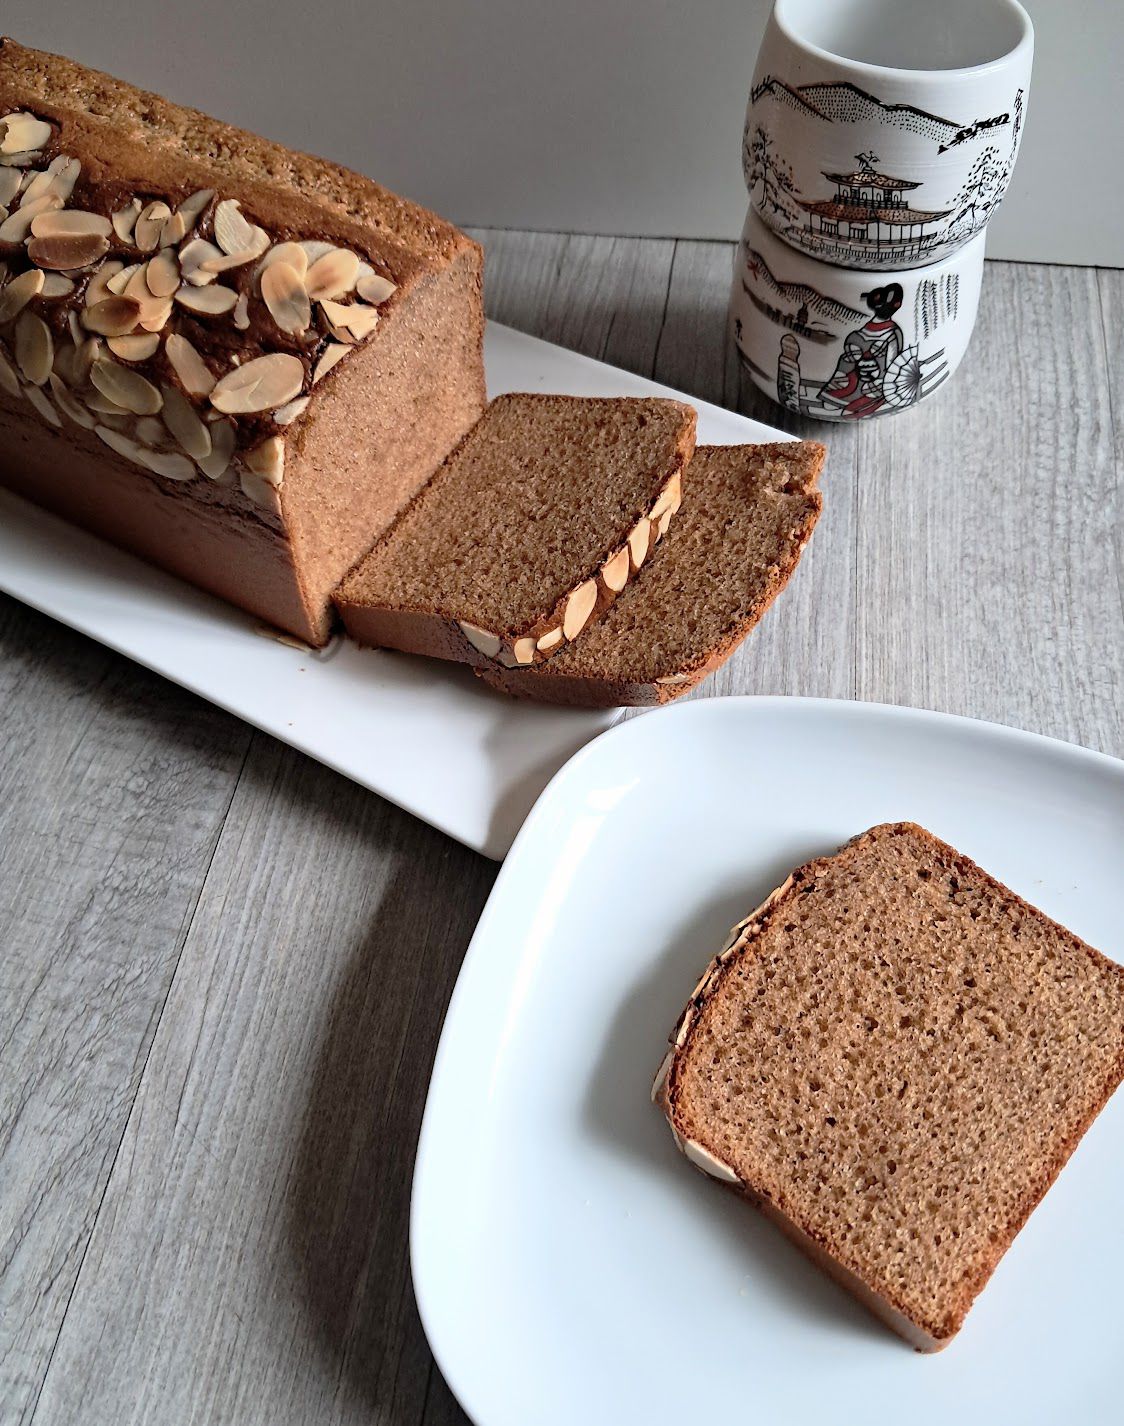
(876, 367)
(878, 216)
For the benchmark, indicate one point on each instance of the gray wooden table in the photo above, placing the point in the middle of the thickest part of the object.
(224, 968)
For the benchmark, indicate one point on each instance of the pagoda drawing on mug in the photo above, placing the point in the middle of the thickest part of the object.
(937, 185)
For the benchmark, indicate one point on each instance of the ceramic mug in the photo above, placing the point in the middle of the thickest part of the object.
(841, 345)
(881, 134)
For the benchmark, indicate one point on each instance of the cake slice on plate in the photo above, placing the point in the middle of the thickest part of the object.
(893, 1058)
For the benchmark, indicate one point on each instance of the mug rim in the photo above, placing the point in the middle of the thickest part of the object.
(928, 76)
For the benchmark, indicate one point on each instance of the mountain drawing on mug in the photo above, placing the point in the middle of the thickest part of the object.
(877, 216)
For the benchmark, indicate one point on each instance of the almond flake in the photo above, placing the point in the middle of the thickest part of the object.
(59, 178)
(260, 385)
(155, 313)
(579, 607)
(20, 160)
(83, 359)
(234, 234)
(283, 293)
(267, 460)
(673, 678)
(169, 464)
(332, 353)
(162, 275)
(192, 257)
(16, 227)
(314, 249)
(375, 289)
(193, 372)
(210, 301)
(18, 293)
(481, 640)
(23, 133)
(42, 403)
(34, 348)
(174, 231)
(149, 226)
(225, 261)
(69, 407)
(332, 275)
(183, 422)
(150, 431)
(69, 223)
(549, 641)
(10, 186)
(126, 387)
(223, 439)
(118, 282)
(112, 317)
(638, 541)
(260, 491)
(67, 252)
(292, 253)
(125, 220)
(287, 414)
(670, 495)
(9, 380)
(524, 651)
(122, 444)
(105, 407)
(135, 348)
(56, 285)
(73, 321)
(665, 521)
(242, 312)
(616, 571)
(356, 319)
(190, 209)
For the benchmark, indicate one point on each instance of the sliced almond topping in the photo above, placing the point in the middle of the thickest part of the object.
(665, 521)
(210, 301)
(68, 406)
(155, 314)
(74, 322)
(9, 380)
(615, 572)
(670, 678)
(314, 249)
(136, 348)
(169, 464)
(42, 403)
(105, 407)
(260, 491)
(285, 415)
(150, 225)
(190, 209)
(639, 539)
(226, 261)
(192, 257)
(20, 160)
(16, 227)
(268, 460)
(174, 231)
(18, 293)
(189, 366)
(667, 496)
(356, 318)
(260, 385)
(283, 293)
(9, 185)
(549, 641)
(375, 289)
(183, 422)
(481, 640)
(524, 651)
(122, 444)
(35, 350)
(579, 607)
(242, 312)
(292, 253)
(332, 354)
(163, 275)
(125, 220)
(83, 359)
(119, 281)
(223, 438)
(126, 387)
(150, 431)
(67, 253)
(112, 317)
(235, 235)
(332, 275)
(60, 177)
(70, 223)
(22, 133)
(56, 285)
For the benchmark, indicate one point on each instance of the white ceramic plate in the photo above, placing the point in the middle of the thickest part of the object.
(428, 736)
(569, 1265)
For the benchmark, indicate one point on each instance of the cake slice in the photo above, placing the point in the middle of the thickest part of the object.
(893, 1058)
(527, 533)
(728, 555)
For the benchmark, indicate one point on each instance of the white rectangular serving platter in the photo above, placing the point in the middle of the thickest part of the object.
(429, 736)
(569, 1264)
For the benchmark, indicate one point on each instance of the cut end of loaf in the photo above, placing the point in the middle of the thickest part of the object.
(894, 1058)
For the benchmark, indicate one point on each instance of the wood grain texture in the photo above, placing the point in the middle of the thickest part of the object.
(224, 968)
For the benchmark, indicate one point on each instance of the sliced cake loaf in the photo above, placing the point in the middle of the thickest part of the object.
(528, 531)
(894, 1057)
(728, 555)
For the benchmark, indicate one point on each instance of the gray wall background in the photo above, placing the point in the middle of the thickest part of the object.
(605, 116)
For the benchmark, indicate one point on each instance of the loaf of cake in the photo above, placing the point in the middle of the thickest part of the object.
(731, 550)
(893, 1058)
(237, 361)
(529, 532)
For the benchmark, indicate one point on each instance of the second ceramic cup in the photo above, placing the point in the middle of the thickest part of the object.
(840, 345)
(881, 134)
